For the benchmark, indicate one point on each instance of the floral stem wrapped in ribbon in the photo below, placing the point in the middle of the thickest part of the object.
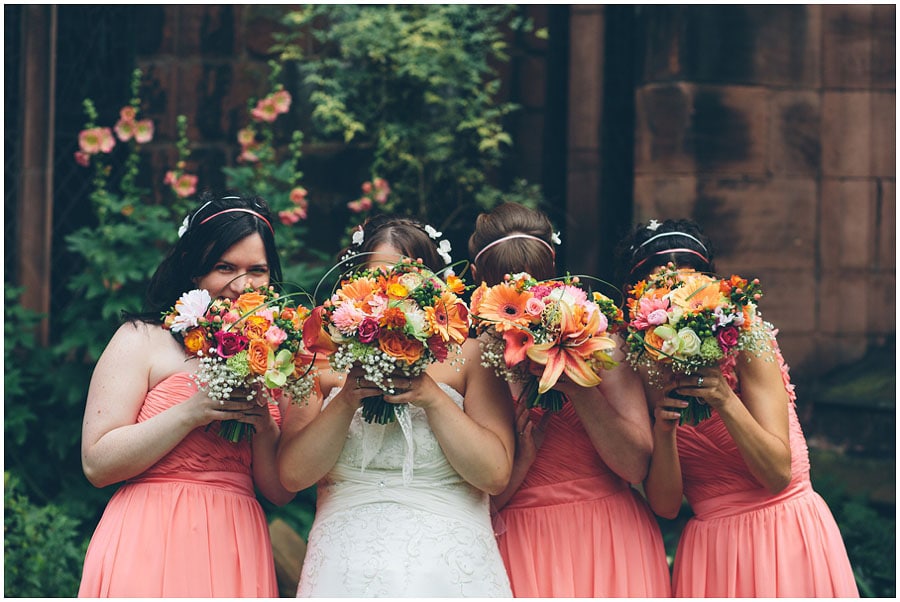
(392, 321)
(688, 320)
(535, 331)
(253, 343)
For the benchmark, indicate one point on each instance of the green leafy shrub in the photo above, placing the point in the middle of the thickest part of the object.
(43, 550)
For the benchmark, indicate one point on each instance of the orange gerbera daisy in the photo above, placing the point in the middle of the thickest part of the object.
(449, 318)
(504, 306)
(358, 290)
(697, 293)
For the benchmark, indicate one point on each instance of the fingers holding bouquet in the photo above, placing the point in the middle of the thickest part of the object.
(421, 390)
(707, 385)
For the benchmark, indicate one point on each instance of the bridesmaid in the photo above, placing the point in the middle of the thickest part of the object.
(569, 523)
(759, 530)
(185, 521)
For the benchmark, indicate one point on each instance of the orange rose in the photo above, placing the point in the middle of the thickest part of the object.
(255, 327)
(653, 343)
(291, 315)
(195, 341)
(455, 284)
(258, 356)
(249, 301)
(396, 345)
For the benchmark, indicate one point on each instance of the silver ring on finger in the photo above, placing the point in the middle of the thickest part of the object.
(699, 381)
(358, 385)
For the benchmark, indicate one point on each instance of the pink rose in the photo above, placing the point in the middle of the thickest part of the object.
(534, 306)
(727, 337)
(230, 343)
(368, 330)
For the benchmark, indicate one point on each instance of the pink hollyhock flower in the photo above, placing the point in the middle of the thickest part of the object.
(288, 218)
(281, 100)
(96, 140)
(127, 114)
(125, 130)
(265, 110)
(381, 198)
(366, 187)
(185, 186)
(381, 184)
(365, 203)
(247, 156)
(246, 137)
(355, 206)
(301, 211)
(143, 131)
(298, 195)
(82, 158)
(169, 179)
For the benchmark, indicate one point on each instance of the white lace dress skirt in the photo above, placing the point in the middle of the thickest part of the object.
(393, 519)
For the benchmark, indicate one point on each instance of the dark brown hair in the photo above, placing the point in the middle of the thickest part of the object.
(405, 234)
(654, 244)
(517, 254)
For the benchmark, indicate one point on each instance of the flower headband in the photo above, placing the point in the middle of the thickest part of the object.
(555, 239)
(443, 247)
(186, 224)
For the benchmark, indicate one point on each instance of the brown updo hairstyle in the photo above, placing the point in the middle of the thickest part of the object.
(405, 234)
(516, 254)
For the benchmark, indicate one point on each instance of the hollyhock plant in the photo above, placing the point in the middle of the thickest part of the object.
(254, 343)
(685, 320)
(534, 332)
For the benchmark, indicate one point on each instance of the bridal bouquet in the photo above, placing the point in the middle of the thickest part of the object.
(254, 343)
(687, 320)
(392, 321)
(533, 332)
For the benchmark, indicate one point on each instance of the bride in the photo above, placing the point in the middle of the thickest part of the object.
(378, 532)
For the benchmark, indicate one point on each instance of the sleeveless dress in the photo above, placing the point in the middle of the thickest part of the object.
(394, 519)
(576, 529)
(189, 526)
(745, 542)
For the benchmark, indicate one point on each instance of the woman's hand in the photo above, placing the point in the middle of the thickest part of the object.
(708, 385)
(667, 413)
(421, 391)
(529, 436)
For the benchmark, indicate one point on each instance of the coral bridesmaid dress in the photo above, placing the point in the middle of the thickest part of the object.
(744, 542)
(189, 526)
(576, 529)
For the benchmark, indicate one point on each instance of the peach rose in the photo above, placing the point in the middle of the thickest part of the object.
(396, 345)
(258, 356)
(249, 301)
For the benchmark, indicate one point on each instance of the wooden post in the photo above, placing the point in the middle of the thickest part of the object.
(35, 204)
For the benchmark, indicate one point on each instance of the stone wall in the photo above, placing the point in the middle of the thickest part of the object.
(774, 128)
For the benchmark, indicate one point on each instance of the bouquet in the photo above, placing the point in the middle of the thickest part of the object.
(254, 343)
(391, 321)
(687, 320)
(533, 332)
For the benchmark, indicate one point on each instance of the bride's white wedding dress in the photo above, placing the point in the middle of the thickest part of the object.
(393, 519)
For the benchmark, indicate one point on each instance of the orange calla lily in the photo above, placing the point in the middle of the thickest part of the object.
(518, 342)
(315, 338)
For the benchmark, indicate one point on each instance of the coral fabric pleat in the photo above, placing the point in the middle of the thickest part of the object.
(190, 526)
(743, 541)
(575, 529)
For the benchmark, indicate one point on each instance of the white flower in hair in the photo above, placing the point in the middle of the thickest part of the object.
(359, 236)
(434, 234)
(653, 225)
(184, 226)
(444, 251)
(555, 238)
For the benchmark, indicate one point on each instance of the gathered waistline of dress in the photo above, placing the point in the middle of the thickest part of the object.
(740, 502)
(567, 492)
(233, 482)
